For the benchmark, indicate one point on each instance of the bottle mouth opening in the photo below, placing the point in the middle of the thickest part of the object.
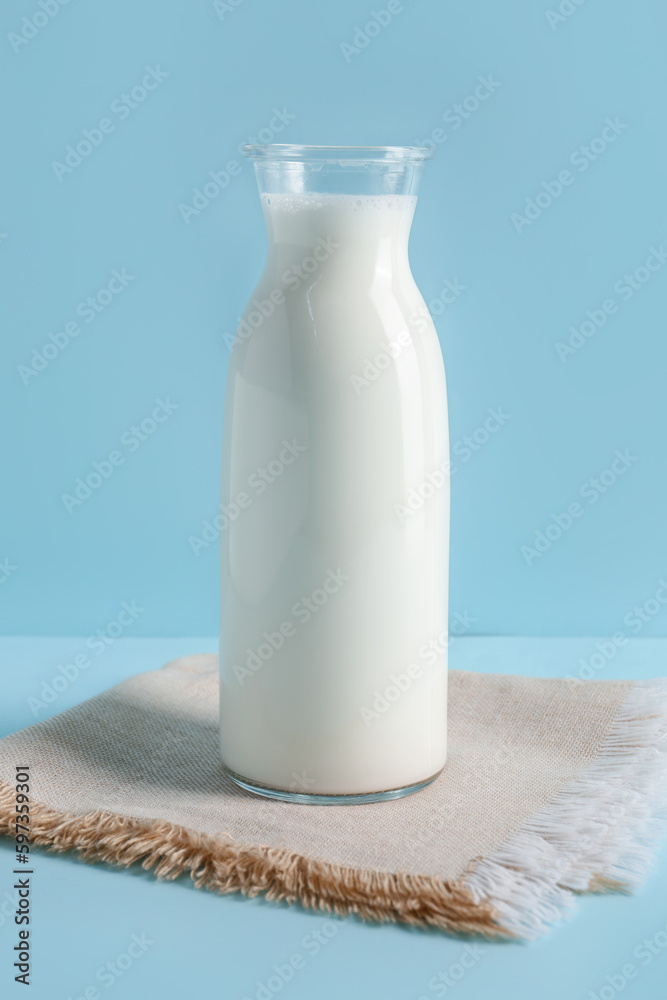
(343, 155)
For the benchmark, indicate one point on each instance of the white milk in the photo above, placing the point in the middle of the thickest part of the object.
(335, 536)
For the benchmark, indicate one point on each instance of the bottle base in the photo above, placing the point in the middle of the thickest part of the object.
(308, 799)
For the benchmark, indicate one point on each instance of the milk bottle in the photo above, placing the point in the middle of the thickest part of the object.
(335, 468)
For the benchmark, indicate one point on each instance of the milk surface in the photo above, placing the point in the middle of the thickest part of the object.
(335, 509)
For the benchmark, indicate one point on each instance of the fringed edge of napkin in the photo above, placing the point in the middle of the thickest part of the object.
(600, 832)
(170, 850)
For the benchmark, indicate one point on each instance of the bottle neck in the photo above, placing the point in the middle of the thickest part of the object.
(338, 242)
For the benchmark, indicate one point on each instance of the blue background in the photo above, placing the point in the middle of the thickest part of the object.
(163, 337)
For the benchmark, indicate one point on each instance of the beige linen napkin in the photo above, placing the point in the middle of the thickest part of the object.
(551, 788)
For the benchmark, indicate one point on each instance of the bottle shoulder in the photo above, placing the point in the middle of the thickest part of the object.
(337, 316)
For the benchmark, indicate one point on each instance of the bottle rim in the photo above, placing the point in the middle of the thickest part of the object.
(289, 153)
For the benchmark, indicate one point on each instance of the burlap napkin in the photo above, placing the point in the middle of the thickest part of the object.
(550, 788)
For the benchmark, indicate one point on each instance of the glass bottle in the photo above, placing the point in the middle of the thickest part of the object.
(335, 492)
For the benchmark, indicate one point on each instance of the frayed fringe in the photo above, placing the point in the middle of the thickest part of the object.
(600, 832)
(169, 850)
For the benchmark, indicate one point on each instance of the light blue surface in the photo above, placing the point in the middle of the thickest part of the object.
(206, 945)
(550, 89)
